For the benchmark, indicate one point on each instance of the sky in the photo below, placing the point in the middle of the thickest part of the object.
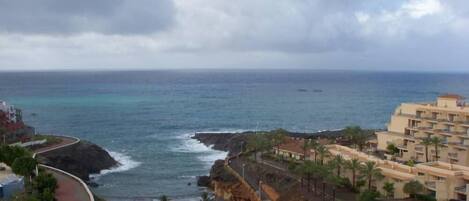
(388, 35)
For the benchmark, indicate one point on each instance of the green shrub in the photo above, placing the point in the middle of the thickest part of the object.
(368, 196)
(425, 197)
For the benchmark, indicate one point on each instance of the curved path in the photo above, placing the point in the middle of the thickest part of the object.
(70, 187)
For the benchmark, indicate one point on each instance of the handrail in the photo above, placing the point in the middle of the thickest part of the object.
(77, 140)
(90, 195)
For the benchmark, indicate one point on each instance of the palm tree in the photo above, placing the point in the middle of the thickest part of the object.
(356, 136)
(353, 165)
(279, 137)
(305, 147)
(314, 145)
(436, 141)
(307, 169)
(389, 189)
(323, 152)
(370, 171)
(338, 162)
(426, 142)
(258, 143)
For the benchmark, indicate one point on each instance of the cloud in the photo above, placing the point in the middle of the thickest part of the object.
(66, 17)
(366, 34)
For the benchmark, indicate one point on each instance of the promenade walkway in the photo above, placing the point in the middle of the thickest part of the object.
(70, 188)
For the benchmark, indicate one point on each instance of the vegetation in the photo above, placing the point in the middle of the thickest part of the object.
(389, 189)
(370, 171)
(392, 149)
(426, 142)
(357, 136)
(258, 143)
(436, 141)
(24, 166)
(368, 195)
(338, 162)
(354, 166)
(278, 137)
(322, 152)
(8, 154)
(413, 188)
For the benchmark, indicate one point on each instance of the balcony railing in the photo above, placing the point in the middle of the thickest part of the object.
(460, 189)
(430, 184)
(453, 155)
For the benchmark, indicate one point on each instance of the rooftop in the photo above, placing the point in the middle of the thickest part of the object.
(293, 145)
(451, 96)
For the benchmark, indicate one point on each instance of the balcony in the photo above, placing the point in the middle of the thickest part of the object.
(453, 155)
(419, 149)
(460, 189)
(430, 185)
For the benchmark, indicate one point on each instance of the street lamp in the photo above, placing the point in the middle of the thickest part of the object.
(260, 190)
(243, 169)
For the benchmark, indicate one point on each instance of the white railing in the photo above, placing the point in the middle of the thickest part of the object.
(90, 195)
(76, 140)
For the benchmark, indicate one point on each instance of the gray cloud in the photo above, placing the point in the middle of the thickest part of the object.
(74, 17)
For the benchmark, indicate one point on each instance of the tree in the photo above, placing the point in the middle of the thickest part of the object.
(205, 197)
(164, 198)
(258, 143)
(370, 171)
(354, 166)
(322, 152)
(426, 142)
(413, 187)
(338, 162)
(306, 145)
(306, 170)
(45, 181)
(279, 137)
(392, 149)
(356, 136)
(8, 154)
(24, 166)
(313, 144)
(436, 141)
(389, 189)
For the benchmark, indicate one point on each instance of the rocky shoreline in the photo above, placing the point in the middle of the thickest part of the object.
(224, 184)
(82, 159)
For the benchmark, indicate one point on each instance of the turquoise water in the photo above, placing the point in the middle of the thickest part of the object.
(145, 118)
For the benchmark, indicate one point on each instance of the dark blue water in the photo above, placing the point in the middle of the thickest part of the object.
(145, 118)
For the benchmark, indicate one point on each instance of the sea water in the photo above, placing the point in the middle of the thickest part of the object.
(145, 118)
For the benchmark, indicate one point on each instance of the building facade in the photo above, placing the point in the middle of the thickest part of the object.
(411, 123)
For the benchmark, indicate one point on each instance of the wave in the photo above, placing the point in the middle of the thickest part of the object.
(206, 154)
(125, 163)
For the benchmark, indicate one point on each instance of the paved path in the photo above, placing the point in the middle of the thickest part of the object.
(70, 188)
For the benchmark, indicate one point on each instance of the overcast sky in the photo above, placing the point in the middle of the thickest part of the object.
(417, 35)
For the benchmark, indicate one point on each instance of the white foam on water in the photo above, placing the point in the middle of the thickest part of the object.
(125, 163)
(205, 153)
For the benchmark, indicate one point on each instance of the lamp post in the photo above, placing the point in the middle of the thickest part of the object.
(260, 190)
(243, 169)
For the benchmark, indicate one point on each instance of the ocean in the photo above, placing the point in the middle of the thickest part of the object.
(145, 118)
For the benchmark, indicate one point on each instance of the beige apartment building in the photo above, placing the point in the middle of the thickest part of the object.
(443, 180)
(447, 118)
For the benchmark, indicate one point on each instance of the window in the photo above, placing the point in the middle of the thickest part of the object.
(421, 174)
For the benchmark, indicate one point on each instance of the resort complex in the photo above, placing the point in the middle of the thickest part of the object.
(414, 125)
(424, 142)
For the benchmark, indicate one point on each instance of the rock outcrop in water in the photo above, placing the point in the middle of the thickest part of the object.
(81, 159)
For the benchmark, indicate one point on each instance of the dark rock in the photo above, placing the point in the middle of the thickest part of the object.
(203, 181)
(219, 173)
(81, 159)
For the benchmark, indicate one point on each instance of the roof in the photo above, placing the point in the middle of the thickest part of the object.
(293, 145)
(451, 96)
